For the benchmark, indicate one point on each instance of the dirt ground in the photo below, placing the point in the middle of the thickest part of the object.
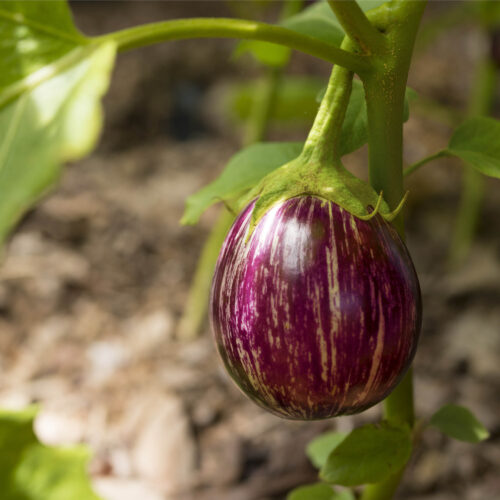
(94, 280)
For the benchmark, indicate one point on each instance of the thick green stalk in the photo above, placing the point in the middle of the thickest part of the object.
(180, 29)
(385, 91)
(472, 181)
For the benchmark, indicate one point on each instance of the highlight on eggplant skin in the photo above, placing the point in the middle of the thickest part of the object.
(318, 314)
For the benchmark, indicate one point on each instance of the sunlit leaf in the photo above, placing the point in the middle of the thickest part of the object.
(33, 35)
(51, 82)
(57, 120)
(31, 471)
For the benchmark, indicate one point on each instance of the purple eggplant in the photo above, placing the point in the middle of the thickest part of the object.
(317, 313)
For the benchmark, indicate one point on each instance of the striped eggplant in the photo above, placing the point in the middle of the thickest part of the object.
(317, 313)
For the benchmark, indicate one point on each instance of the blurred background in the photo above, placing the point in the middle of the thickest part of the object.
(95, 279)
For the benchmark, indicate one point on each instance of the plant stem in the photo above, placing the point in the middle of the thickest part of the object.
(385, 91)
(473, 181)
(357, 26)
(148, 34)
(322, 142)
(415, 166)
(195, 309)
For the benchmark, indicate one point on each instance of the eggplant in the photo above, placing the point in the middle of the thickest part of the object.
(316, 313)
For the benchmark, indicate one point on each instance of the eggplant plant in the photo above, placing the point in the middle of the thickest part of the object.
(315, 302)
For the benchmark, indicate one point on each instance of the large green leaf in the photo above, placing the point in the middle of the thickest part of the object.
(31, 471)
(459, 423)
(368, 454)
(318, 491)
(242, 172)
(33, 35)
(477, 142)
(56, 120)
(51, 82)
(320, 447)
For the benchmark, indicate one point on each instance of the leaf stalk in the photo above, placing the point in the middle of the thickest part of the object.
(180, 29)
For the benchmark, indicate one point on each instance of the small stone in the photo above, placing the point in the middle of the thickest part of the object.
(14, 400)
(105, 358)
(220, 445)
(149, 331)
(165, 451)
(120, 461)
(58, 429)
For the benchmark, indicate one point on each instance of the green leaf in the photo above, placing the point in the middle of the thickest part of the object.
(368, 455)
(51, 81)
(56, 120)
(355, 127)
(320, 448)
(31, 471)
(319, 21)
(319, 491)
(295, 101)
(477, 142)
(243, 171)
(459, 423)
(34, 34)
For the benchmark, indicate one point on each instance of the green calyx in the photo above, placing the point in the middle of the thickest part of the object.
(302, 177)
(318, 170)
